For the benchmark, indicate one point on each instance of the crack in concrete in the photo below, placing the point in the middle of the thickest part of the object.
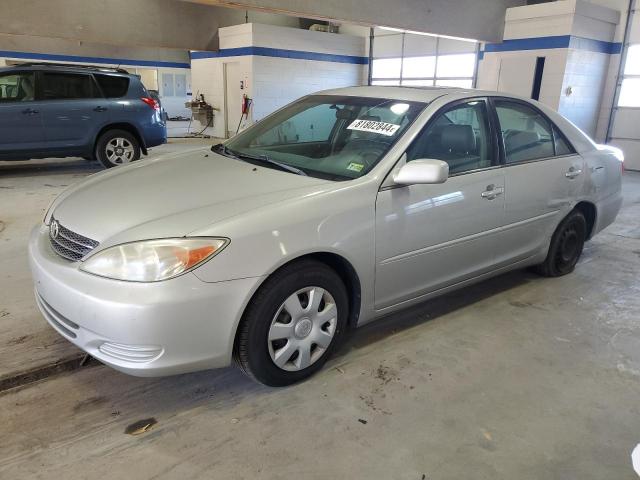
(42, 372)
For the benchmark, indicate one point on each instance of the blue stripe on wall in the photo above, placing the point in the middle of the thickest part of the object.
(75, 58)
(539, 43)
(600, 46)
(558, 41)
(281, 53)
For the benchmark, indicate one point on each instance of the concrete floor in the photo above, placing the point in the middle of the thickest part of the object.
(519, 377)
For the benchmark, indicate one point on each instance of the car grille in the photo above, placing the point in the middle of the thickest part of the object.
(68, 244)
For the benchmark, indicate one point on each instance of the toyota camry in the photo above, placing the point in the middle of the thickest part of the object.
(335, 210)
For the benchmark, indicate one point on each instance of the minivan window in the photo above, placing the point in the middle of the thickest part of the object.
(17, 87)
(113, 86)
(526, 133)
(67, 86)
(459, 136)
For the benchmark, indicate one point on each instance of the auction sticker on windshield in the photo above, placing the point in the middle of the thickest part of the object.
(372, 126)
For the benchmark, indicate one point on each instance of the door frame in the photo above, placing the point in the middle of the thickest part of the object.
(496, 167)
(226, 97)
(494, 133)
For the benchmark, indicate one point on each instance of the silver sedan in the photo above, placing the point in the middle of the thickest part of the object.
(335, 210)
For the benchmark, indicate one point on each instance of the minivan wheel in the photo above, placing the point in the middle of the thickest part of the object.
(566, 246)
(117, 147)
(293, 324)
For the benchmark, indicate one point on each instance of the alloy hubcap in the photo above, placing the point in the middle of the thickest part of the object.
(302, 329)
(119, 151)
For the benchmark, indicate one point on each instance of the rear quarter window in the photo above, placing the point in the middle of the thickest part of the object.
(113, 86)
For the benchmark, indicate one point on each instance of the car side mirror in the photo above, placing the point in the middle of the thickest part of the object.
(422, 171)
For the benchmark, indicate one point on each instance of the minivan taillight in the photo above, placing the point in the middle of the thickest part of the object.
(151, 102)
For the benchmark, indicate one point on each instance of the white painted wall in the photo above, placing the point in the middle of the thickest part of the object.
(574, 80)
(278, 81)
(208, 79)
(272, 82)
(585, 77)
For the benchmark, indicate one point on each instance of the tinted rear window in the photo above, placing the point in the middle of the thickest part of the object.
(67, 86)
(113, 86)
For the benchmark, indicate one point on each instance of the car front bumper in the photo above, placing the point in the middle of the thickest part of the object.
(143, 329)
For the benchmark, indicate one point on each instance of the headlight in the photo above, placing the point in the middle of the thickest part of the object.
(153, 260)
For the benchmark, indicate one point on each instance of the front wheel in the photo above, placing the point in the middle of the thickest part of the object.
(566, 246)
(117, 147)
(293, 324)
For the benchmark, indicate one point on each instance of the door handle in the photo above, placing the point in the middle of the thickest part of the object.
(492, 192)
(573, 172)
(29, 111)
(100, 109)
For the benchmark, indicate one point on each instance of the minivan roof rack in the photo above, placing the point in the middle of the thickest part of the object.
(73, 65)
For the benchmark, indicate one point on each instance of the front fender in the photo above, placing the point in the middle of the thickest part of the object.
(340, 222)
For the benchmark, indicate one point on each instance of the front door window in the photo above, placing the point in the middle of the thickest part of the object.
(459, 136)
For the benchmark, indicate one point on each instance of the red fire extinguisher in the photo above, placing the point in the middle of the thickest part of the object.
(246, 105)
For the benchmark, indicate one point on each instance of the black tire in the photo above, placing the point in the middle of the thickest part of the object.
(105, 148)
(252, 348)
(566, 246)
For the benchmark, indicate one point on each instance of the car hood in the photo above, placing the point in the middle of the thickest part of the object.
(173, 196)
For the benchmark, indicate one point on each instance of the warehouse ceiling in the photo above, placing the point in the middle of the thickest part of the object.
(477, 19)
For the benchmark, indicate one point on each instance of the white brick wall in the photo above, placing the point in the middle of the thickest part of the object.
(589, 74)
(278, 81)
(585, 75)
(272, 82)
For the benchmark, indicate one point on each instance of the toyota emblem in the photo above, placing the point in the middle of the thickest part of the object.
(54, 229)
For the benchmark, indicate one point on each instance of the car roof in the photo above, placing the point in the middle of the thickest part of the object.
(416, 94)
(67, 67)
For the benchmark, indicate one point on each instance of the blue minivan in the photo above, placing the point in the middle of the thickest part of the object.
(55, 110)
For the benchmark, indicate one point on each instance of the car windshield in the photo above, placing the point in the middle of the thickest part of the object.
(326, 136)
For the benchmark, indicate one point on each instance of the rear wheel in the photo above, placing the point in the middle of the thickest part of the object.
(293, 324)
(566, 246)
(117, 147)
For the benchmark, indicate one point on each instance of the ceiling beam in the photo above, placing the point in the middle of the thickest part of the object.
(476, 19)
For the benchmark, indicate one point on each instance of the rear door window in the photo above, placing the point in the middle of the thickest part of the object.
(562, 146)
(526, 133)
(113, 86)
(67, 86)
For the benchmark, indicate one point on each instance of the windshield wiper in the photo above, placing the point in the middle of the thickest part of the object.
(224, 150)
(266, 159)
(220, 148)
